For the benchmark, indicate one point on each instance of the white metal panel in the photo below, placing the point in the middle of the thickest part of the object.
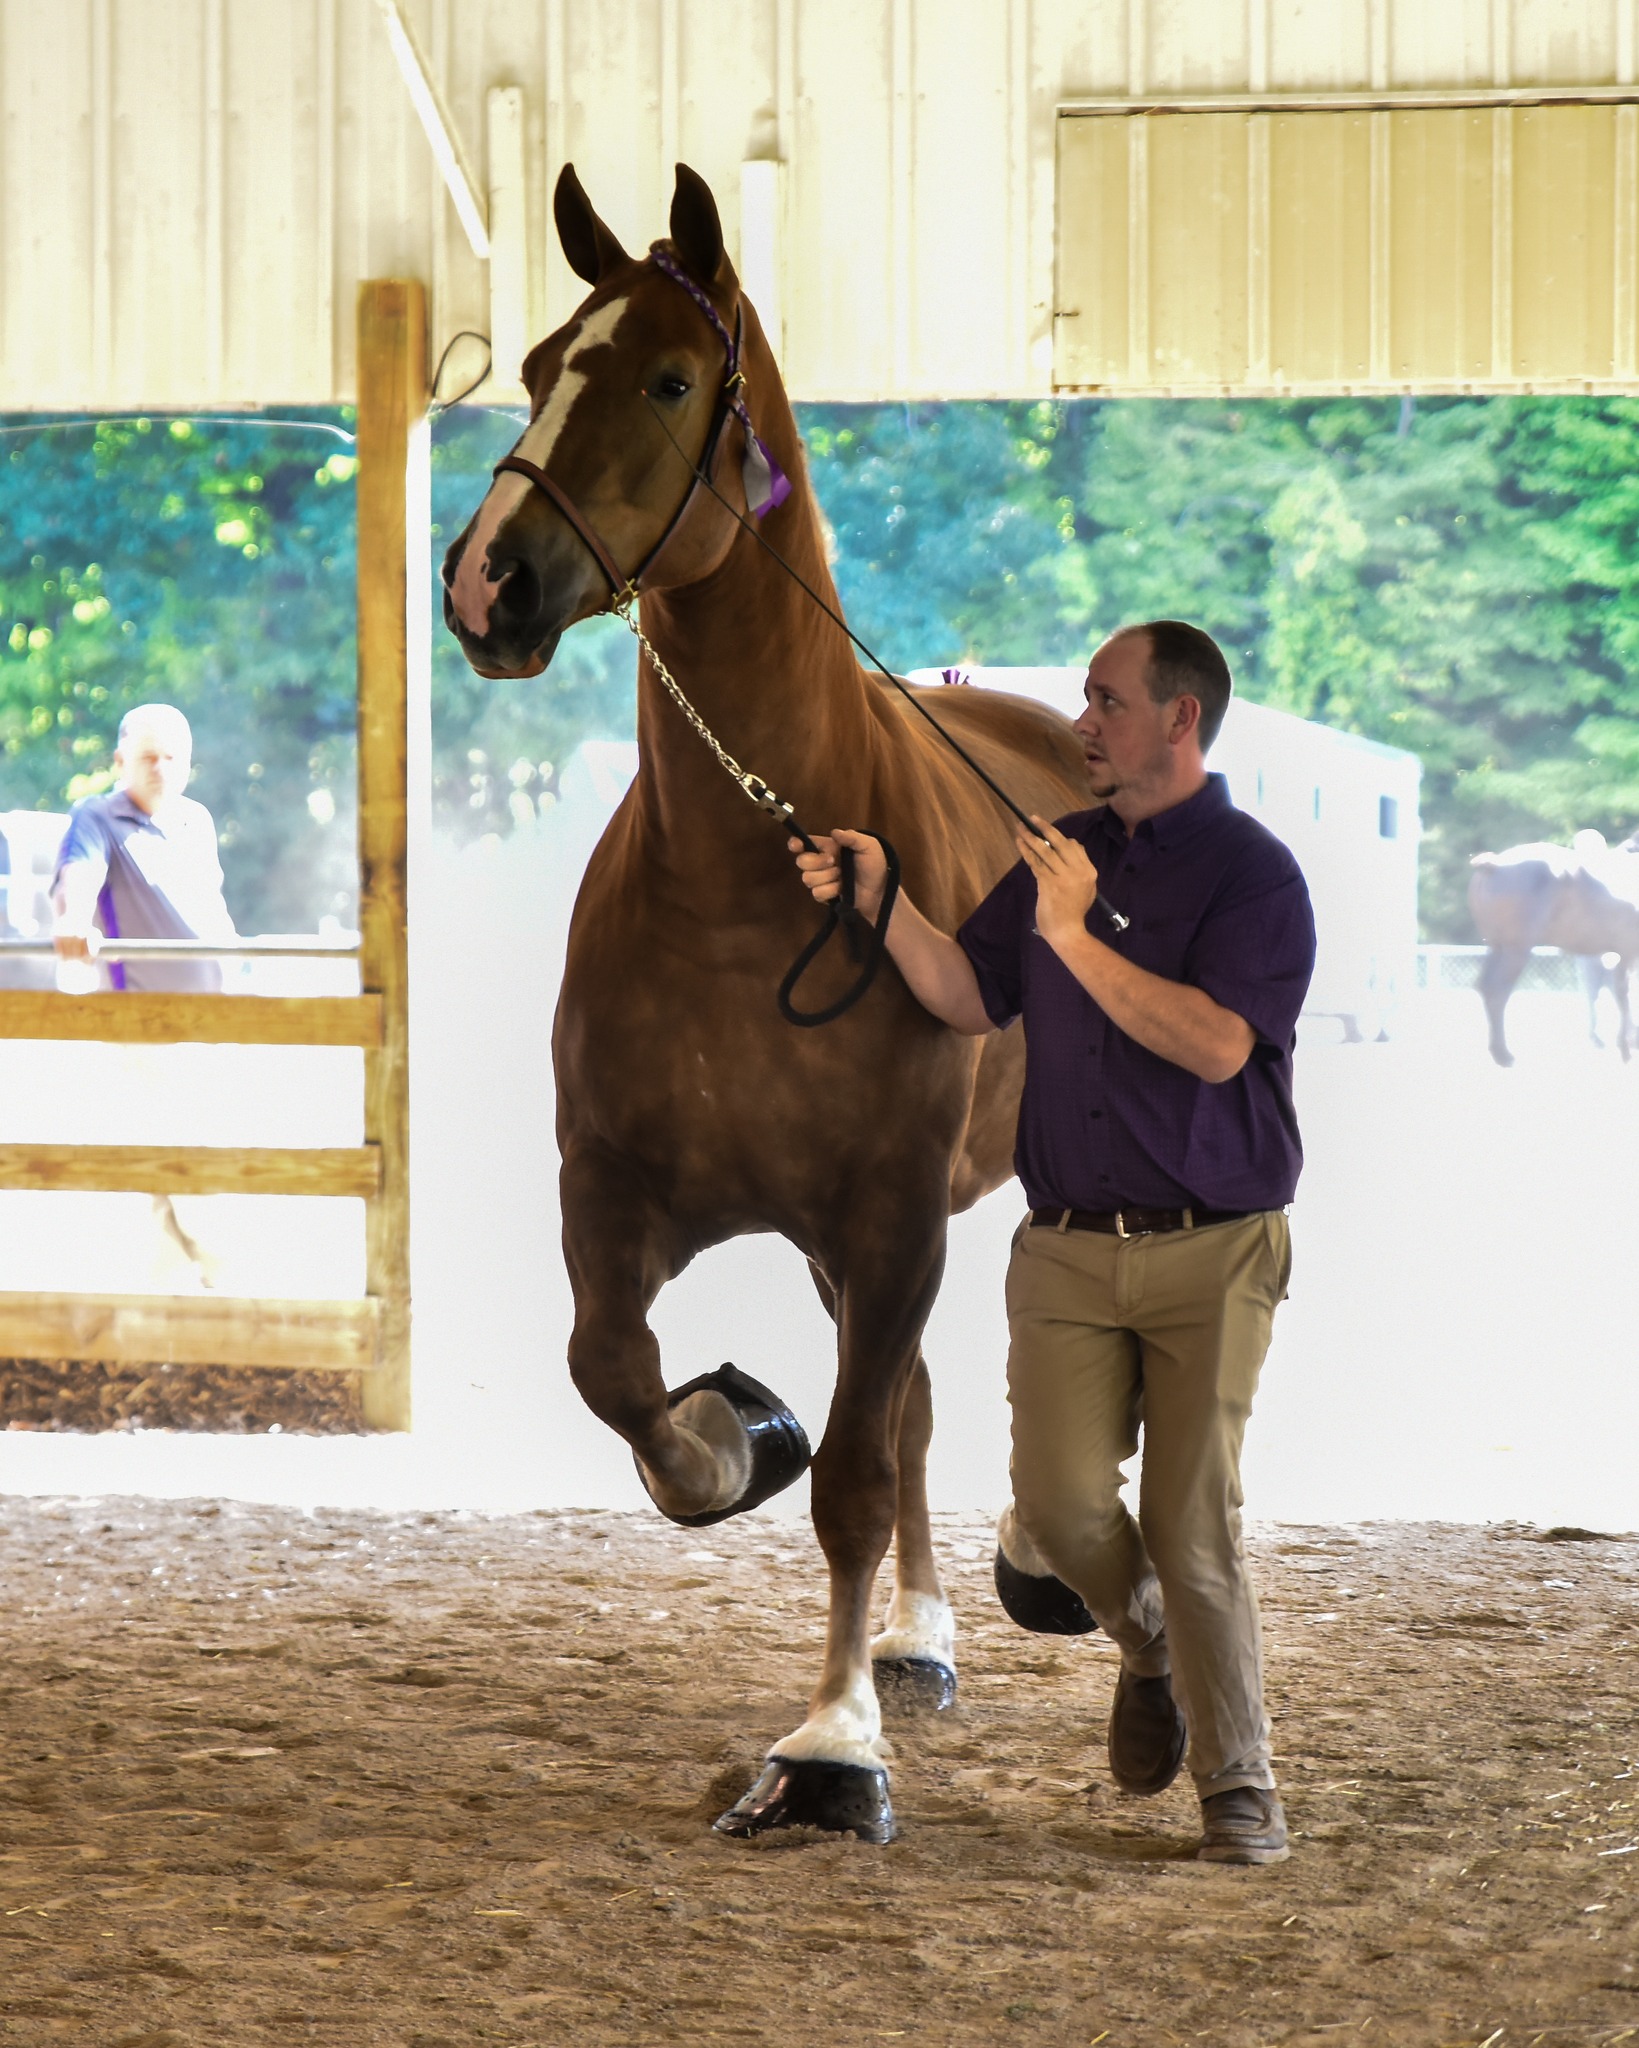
(46, 192)
(190, 190)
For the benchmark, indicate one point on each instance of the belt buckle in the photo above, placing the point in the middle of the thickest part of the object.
(1121, 1229)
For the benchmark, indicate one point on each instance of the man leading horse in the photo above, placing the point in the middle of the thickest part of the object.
(688, 1110)
(1158, 1147)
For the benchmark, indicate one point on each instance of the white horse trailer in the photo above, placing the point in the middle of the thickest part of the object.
(1346, 806)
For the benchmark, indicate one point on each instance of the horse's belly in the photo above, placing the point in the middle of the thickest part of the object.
(713, 1092)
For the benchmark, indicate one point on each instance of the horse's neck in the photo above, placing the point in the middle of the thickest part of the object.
(772, 676)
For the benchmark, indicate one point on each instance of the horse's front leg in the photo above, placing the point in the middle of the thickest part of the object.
(712, 1448)
(914, 1657)
(829, 1772)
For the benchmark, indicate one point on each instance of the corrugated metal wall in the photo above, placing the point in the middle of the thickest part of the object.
(190, 189)
(1456, 249)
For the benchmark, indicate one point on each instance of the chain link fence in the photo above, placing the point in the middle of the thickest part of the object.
(1548, 971)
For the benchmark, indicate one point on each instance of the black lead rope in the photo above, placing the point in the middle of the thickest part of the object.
(866, 942)
(1117, 920)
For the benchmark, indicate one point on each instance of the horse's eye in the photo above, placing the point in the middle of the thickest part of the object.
(672, 387)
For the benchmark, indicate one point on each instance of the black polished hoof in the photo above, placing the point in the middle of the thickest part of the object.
(924, 1684)
(1045, 1605)
(807, 1792)
(779, 1446)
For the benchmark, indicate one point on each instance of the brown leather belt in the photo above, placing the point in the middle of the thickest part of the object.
(1133, 1222)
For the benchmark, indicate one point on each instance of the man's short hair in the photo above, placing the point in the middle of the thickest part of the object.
(1185, 662)
(163, 718)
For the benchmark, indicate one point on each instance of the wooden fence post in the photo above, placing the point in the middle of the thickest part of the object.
(392, 403)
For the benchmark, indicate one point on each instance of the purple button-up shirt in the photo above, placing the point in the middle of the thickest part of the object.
(1217, 902)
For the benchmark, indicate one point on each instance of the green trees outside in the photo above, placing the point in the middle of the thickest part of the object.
(1456, 576)
(211, 567)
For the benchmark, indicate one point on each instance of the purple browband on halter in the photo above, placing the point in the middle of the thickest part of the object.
(766, 484)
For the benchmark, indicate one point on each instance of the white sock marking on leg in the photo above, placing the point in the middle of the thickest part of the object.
(1017, 1547)
(847, 1731)
(918, 1625)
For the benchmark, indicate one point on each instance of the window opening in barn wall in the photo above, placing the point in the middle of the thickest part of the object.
(208, 564)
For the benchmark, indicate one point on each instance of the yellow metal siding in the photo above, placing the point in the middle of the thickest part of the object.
(1564, 164)
(1319, 249)
(1440, 171)
(1362, 248)
(1197, 245)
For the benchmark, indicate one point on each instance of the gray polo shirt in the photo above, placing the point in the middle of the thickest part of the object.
(158, 878)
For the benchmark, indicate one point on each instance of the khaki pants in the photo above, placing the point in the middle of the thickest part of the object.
(1169, 1331)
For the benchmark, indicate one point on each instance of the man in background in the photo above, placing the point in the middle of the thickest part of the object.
(142, 863)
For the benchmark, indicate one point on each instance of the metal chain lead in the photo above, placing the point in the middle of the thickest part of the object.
(766, 800)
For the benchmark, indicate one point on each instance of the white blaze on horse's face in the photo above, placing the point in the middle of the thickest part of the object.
(473, 590)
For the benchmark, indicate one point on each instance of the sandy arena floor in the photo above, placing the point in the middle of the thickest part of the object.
(435, 1781)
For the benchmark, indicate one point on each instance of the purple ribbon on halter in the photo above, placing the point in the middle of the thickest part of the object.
(766, 484)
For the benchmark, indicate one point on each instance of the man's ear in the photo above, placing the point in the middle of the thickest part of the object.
(1186, 716)
(697, 232)
(592, 248)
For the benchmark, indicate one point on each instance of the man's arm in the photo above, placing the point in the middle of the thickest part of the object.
(1180, 1023)
(936, 970)
(82, 868)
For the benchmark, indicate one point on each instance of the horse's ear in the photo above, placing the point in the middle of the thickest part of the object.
(697, 233)
(592, 248)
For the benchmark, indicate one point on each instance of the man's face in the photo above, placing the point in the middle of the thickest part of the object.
(1124, 732)
(154, 763)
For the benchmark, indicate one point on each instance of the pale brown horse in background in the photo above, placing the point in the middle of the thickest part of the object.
(688, 1111)
(1550, 896)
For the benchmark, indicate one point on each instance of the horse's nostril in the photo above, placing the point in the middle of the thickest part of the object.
(517, 598)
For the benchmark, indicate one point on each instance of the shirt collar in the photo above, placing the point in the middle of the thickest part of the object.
(124, 805)
(1167, 828)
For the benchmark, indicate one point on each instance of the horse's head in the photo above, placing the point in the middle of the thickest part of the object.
(600, 485)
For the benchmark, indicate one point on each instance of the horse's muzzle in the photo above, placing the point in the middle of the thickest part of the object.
(521, 630)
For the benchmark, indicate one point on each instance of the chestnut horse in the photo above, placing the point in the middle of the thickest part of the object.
(688, 1110)
(1535, 896)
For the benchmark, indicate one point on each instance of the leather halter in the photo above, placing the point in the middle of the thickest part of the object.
(624, 589)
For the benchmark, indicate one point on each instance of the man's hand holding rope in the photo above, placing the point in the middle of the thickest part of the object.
(1066, 881)
(822, 871)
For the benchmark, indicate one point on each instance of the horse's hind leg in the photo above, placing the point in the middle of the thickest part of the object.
(711, 1450)
(915, 1654)
(1499, 971)
(1621, 976)
(913, 1659)
(1591, 972)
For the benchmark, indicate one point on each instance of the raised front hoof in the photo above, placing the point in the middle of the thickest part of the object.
(1046, 1605)
(922, 1685)
(1502, 1056)
(808, 1792)
(779, 1444)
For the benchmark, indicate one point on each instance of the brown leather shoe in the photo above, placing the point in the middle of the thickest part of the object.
(1147, 1734)
(1243, 1825)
